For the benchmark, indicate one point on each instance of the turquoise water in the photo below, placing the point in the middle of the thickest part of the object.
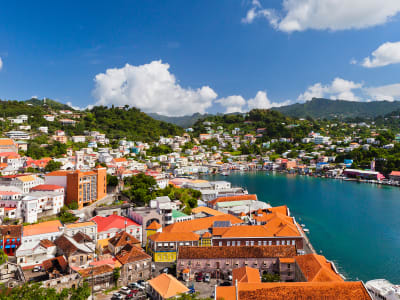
(356, 225)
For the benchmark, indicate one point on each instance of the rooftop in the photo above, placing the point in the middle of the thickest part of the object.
(167, 286)
(42, 228)
(316, 268)
(174, 236)
(246, 274)
(112, 221)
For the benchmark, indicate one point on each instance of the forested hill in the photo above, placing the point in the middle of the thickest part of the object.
(341, 109)
(115, 122)
(184, 121)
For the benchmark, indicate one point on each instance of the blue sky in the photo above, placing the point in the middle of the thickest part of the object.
(206, 56)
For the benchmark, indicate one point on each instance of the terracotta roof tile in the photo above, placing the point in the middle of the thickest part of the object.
(123, 238)
(167, 286)
(96, 270)
(233, 198)
(207, 210)
(131, 253)
(41, 228)
(200, 224)
(246, 274)
(317, 268)
(187, 252)
(174, 236)
(154, 226)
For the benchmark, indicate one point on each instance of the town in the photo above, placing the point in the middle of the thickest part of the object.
(123, 218)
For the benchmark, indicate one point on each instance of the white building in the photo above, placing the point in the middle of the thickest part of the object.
(34, 253)
(381, 289)
(49, 230)
(78, 138)
(319, 139)
(18, 135)
(44, 129)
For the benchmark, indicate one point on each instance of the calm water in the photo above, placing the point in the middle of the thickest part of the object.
(356, 225)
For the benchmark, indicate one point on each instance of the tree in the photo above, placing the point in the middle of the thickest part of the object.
(112, 180)
(116, 275)
(3, 257)
(52, 166)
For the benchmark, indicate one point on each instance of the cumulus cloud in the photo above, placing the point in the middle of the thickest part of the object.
(239, 104)
(386, 54)
(388, 92)
(152, 88)
(300, 15)
(1, 64)
(338, 89)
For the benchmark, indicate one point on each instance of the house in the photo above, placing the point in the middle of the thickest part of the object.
(78, 249)
(246, 274)
(98, 277)
(88, 228)
(165, 286)
(107, 227)
(315, 268)
(48, 188)
(8, 145)
(120, 240)
(221, 261)
(136, 264)
(56, 267)
(10, 238)
(49, 230)
(394, 175)
(34, 253)
(163, 246)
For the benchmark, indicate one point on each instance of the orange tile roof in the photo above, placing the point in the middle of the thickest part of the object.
(207, 210)
(233, 198)
(42, 228)
(97, 270)
(154, 226)
(130, 253)
(246, 274)
(26, 178)
(316, 268)
(80, 224)
(174, 236)
(167, 286)
(200, 224)
(58, 173)
(193, 252)
(6, 142)
(295, 291)
(279, 209)
(286, 260)
(122, 159)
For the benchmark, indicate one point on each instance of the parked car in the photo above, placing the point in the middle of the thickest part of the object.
(153, 267)
(142, 282)
(199, 277)
(135, 285)
(165, 270)
(207, 277)
(132, 294)
(226, 283)
(37, 269)
(125, 290)
(117, 296)
(230, 277)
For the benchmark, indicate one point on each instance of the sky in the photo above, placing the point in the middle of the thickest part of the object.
(181, 57)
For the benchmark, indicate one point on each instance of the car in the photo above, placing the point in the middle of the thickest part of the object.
(226, 283)
(153, 267)
(132, 294)
(192, 290)
(199, 277)
(125, 290)
(142, 282)
(37, 269)
(207, 277)
(117, 296)
(230, 277)
(165, 270)
(135, 285)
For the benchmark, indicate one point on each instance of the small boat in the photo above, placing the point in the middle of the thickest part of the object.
(225, 174)
(306, 230)
(302, 225)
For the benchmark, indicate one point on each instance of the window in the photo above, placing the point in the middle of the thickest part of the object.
(288, 265)
(270, 243)
(228, 243)
(265, 243)
(219, 243)
(247, 243)
(238, 243)
(233, 243)
(293, 242)
(259, 243)
(252, 243)
(283, 242)
(278, 243)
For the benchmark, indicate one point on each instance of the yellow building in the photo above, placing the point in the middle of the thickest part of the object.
(205, 240)
(163, 246)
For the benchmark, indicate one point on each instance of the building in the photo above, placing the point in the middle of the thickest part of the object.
(364, 174)
(34, 253)
(394, 176)
(99, 277)
(108, 227)
(88, 228)
(49, 230)
(8, 145)
(246, 274)
(136, 264)
(82, 188)
(120, 240)
(163, 246)
(18, 135)
(48, 188)
(78, 249)
(221, 261)
(381, 289)
(165, 286)
(11, 275)
(22, 182)
(294, 290)
(10, 238)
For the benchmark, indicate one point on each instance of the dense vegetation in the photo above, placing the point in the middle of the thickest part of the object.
(184, 121)
(36, 291)
(325, 108)
(140, 189)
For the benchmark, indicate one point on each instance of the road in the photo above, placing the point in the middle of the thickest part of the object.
(88, 210)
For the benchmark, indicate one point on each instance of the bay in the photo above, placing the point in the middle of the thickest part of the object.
(356, 225)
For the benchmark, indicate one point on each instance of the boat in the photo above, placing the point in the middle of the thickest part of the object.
(302, 225)
(306, 230)
(225, 174)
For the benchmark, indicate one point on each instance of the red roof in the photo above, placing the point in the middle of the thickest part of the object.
(46, 187)
(112, 221)
(395, 173)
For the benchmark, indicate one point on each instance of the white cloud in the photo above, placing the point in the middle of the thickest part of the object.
(238, 104)
(1, 64)
(386, 54)
(338, 89)
(300, 15)
(232, 103)
(388, 92)
(152, 88)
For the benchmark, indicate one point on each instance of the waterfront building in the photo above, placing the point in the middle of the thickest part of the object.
(221, 261)
(382, 289)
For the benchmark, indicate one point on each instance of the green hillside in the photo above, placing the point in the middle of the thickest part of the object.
(341, 109)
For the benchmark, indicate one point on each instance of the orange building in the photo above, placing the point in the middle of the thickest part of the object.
(82, 188)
